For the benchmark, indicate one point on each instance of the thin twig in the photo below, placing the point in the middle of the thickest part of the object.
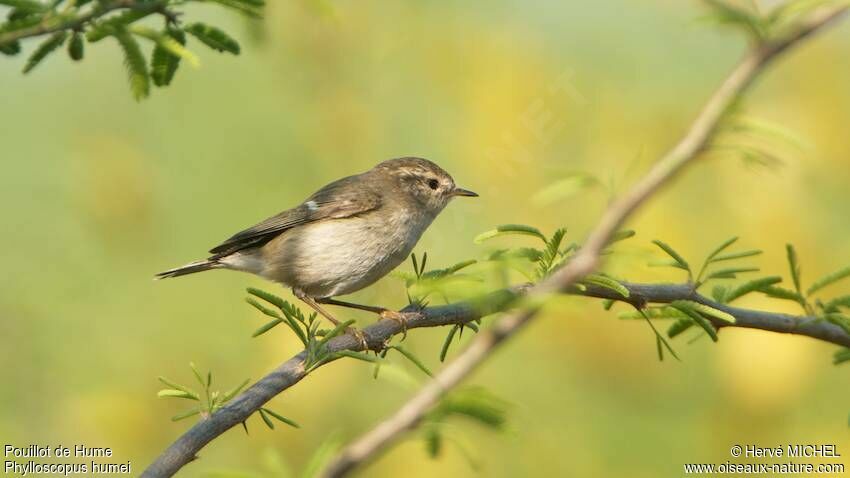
(696, 139)
(56, 23)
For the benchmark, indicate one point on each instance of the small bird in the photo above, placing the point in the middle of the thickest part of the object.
(344, 237)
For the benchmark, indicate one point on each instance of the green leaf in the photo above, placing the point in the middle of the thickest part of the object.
(834, 304)
(506, 229)
(724, 13)
(438, 273)
(678, 260)
(118, 23)
(607, 283)
(268, 297)
(730, 273)
(719, 293)
(197, 374)
(75, 46)
(252, 9)
(266, 419)
(664, 312)
(476, 403)
(736, 255)
(335, 332)
(413, 359)
(659, 348)
(134, 60)
(621, 235)
(265, 328)
(28, 6)
(687, 309)
(710, 311)
(720, 249)
(679, 326)
(841, 356)
(164, 64)
(167, 41)
(281, 418)
(232, 393)
(552, 254)
(829, 280)
(659, 339)
(781, 293)
(751, 286)
(433, 442)
(447, 343)
(169, 383)
(357, 355)
(11, 48)
(168, 392)
(794, 265)
(47, 47)
(181, 416)
(265, 310)
(213, 37)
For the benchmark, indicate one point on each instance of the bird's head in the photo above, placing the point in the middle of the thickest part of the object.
(421, 182)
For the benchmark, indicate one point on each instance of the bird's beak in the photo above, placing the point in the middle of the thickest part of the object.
(464, 192)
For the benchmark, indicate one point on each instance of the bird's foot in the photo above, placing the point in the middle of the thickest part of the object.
(360, 336)
(399, 317)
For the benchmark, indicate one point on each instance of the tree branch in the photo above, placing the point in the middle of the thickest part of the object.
(61, 21)
(185, 448)
(377, 335)
(586, 260)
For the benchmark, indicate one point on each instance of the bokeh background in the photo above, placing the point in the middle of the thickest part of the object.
(100, 192)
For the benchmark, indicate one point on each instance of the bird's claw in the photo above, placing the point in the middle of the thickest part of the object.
(396, 317)
(360, 336)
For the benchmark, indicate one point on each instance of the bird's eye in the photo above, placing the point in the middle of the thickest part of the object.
(432, 183)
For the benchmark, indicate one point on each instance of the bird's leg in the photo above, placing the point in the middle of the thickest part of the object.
(315, 306)
(383, 312)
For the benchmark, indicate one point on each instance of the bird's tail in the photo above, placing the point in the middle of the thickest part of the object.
(190, 268)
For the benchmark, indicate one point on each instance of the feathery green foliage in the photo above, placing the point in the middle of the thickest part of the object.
(164, 61)
(507, 229)
(251, 8)
(677, 260)
(837, 303)
(841, 356)
(11, 49)
(606, 282)
(660, 312)
(171, 41)
(751, 286)
(828, 280)
(210, 401)
(47, 47)
(116, 23)
(725, 13)
(213, 37)
(474, 403)
(687, 308)
(679, 327)
(134, 61)
(86, 21)
(76, 48)
(28, 6)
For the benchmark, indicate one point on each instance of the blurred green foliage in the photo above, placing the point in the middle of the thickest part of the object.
(99, 193)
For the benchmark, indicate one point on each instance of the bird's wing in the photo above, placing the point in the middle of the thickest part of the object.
(342, 198)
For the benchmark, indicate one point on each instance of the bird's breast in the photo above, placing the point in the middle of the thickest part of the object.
(339, 256)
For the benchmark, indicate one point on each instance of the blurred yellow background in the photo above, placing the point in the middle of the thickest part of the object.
(100, 192)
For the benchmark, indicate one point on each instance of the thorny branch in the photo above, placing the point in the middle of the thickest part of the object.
(695, 140)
